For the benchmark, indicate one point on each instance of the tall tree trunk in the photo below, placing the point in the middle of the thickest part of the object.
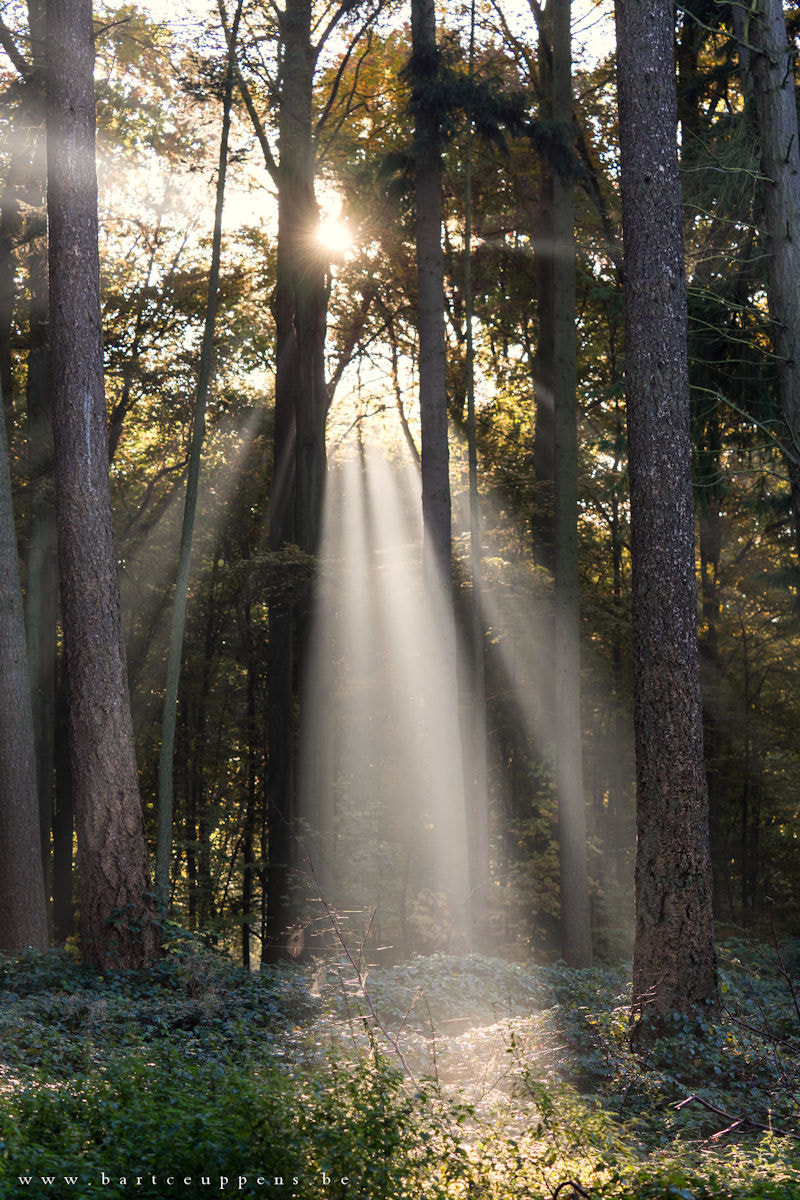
(170, 710)
(543, 517)
(301, 407)
(435, 453)
(23, 917)
(10, 225)
(716, 737)
(248, 837)
(295, 200)
(447, 777)
(476, 747)
(674, 964)
(63, 825)
(576, 934)
(771, 57)
(42, 589)
(619, 834)
(118, 922)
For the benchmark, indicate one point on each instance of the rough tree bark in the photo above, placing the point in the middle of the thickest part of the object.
(117, 920)
(674, 965)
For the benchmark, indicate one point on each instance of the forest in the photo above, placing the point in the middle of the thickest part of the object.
(399, 594)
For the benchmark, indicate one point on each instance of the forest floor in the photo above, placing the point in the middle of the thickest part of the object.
(443, 1077)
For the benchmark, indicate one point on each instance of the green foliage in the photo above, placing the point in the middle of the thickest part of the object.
(522, 1079)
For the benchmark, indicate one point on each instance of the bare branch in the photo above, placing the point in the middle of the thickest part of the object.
(340, 73)
(360, 976)
(244, 91)
(101, 29)
(733, 1122)
(344, 8)
(13, 51)
(781, 964)
(356, 328)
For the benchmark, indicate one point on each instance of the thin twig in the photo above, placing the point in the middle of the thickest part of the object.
(734, 1121)
(781, 963)
(361, 978)
(434, 1057)
(767, 1034)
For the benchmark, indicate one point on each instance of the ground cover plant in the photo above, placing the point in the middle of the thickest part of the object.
(439, 1077)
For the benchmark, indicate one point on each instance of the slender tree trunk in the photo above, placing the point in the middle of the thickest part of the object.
(620, 834)
(165, 798)
(435, 455)
(248, 840)
(576, 934)
(715, 736)
(63, 826)
(674, 964)
(118, 921)
(476, 750)
(10, 225)
(195, 736)
(23, 917)
(771, 55)
(543, 517)
(281, 813)
(42, 575)
(451, 856)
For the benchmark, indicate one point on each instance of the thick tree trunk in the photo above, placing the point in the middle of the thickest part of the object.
(771, 56)
(576, 934)
(301, 295)
(301, 405)
(118, 925)
(23, 917)
(674, 965)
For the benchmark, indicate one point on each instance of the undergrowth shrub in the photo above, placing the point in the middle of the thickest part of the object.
(214, 1121)
(522, 1080)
